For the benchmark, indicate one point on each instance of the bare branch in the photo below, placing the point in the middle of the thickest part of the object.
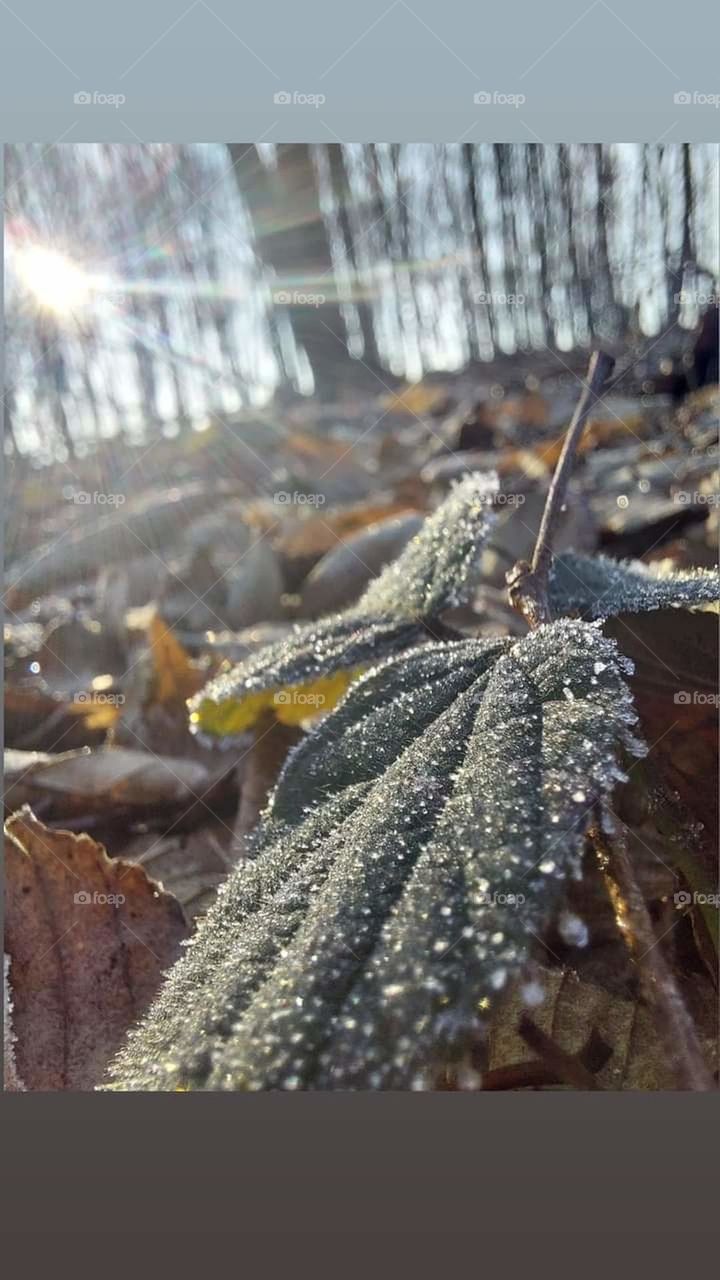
(528, 583)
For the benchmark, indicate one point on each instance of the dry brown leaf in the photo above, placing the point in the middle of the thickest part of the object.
(585, 1021)
(88, 782)
(344, 572)
(597, 434)
(35, 718)
(675, 686)
(89, 939)
(191, 865)
(310, 538)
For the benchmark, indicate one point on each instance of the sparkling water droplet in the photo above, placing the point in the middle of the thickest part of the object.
(573, 930)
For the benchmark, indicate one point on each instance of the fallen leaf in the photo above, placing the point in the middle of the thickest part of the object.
(175, 678)
(87, 782)
(675, 688)
(581, 1017)
(302, 541)
(89, 939)
(344, 572)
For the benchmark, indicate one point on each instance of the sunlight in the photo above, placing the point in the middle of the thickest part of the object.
(53, 279)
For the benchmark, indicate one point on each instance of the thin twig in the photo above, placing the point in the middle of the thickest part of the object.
(675, 1026)
(566, 1066)
(528, 583)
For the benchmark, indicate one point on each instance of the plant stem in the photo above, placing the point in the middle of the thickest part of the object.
(675, 1026)
(528, 583)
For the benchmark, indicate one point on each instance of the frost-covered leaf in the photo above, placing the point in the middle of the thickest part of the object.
(376, 932)
(385, 710)
(542, 750)
(308, 671)
(433, 571)
(598, 587)
(305, 672)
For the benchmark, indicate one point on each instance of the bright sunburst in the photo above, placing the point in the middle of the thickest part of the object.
(53, 279)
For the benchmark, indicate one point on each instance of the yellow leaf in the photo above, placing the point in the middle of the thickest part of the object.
(291, 705)
(175, 678)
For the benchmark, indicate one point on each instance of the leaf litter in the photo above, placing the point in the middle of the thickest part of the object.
(427, 836)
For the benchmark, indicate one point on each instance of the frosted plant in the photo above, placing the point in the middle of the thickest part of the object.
(598, 587)
(420, 835)
(376, 920)
(399, 608)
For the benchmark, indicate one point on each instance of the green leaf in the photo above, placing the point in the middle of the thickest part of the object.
(434, 571)
(384, 711)
(375, 932)
(300, 671)
(310, 669)
(598, 587)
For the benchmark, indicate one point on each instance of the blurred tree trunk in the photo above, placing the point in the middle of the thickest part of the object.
(292, 239)
(343, 200)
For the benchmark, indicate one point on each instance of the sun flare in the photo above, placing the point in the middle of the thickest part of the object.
(54, 280)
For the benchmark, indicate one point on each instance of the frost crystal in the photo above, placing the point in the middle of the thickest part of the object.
(369, 936)
(598, 587)
(433, 571)
(429, 577)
